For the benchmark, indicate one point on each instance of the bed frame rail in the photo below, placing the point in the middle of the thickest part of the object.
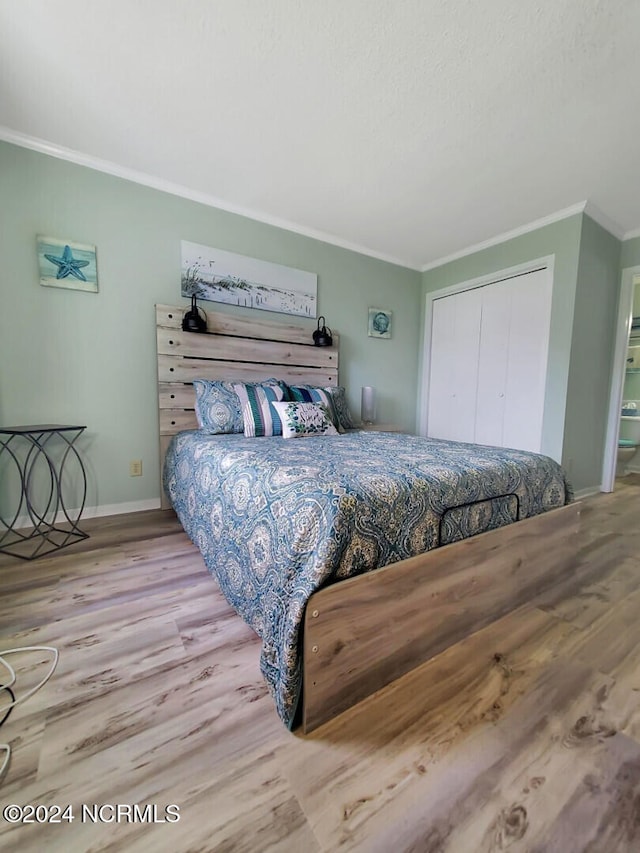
(364, 632)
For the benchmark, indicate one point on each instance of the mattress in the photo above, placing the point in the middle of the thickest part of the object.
(277, 519)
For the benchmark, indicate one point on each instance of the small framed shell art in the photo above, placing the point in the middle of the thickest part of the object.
(379, 323)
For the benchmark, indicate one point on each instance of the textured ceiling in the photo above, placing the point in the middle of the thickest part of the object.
(412, 129)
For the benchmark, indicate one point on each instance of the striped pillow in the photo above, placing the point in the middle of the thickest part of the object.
(259, 416)
(311, 394)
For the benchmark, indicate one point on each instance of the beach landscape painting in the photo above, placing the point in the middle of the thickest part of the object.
(220, 276)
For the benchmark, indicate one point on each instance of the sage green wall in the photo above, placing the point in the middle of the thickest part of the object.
(592, 345)
(630, 255)
(561, 239)
(68, 356)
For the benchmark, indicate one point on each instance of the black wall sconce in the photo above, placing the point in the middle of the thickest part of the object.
(193, 321)
(322, 336)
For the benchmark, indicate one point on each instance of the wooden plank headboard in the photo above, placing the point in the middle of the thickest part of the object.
(240, 348)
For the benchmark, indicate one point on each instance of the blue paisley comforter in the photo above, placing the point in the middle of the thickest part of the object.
(276, 519)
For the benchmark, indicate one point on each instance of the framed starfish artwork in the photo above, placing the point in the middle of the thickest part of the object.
(64, 263)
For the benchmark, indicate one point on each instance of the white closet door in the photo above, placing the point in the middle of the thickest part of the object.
(527, 360)
(488, 363)
(492, 363)
(455, 340)
(441, 367)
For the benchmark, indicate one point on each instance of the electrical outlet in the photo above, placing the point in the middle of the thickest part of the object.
(135, 468)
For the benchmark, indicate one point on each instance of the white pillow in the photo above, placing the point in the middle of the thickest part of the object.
(303, 419)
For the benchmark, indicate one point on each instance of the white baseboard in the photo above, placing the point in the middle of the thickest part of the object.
(97, 511)
(121, 509)
(586, 493)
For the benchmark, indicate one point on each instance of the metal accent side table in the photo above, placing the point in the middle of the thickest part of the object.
(44, 534)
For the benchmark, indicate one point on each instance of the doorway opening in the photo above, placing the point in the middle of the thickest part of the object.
(625, 381)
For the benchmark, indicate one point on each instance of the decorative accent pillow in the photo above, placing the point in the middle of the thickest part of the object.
(311, 394)
(302, 419)
(217, 406)
(339, 396)
(258, 413)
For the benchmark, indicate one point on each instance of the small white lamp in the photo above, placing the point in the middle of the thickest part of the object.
(368, 404)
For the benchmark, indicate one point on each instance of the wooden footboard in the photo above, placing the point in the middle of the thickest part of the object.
(364, 632)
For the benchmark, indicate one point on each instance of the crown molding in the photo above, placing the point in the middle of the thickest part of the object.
(605, 221)
(508, 235)
(51, 149)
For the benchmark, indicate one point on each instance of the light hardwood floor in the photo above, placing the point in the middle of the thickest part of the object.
(524, 737)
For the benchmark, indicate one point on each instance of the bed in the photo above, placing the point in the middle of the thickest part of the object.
(354, 557)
